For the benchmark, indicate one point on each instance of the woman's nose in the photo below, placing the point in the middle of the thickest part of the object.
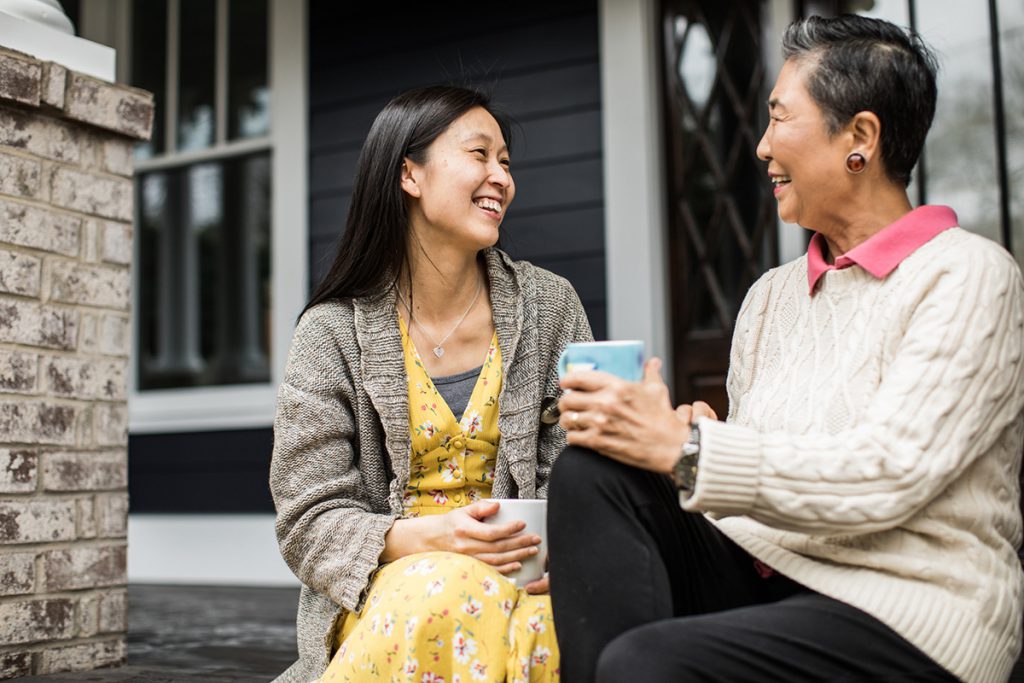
(764, 149)
(500, 175)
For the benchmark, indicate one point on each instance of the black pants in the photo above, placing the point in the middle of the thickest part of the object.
(644, 592)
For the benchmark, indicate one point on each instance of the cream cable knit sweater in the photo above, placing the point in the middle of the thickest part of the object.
(873, 444)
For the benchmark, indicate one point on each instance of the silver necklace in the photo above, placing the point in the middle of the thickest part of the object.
(439, 346)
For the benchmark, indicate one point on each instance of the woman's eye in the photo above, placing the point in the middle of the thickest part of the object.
(506, 163)
(480, 150)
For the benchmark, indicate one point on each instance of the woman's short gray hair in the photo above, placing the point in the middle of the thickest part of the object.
(863, 64)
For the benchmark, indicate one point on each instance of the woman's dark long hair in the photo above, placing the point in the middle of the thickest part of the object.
(374, 247)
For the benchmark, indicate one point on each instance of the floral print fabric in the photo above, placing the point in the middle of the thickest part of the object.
(447, 618)
(452, 462)
(443, 617)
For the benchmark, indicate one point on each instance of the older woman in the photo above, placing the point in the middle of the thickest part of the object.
(862, 497)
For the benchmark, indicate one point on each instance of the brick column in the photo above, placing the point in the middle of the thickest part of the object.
(65, 291)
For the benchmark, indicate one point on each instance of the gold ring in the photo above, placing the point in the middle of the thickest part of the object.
(575, 418)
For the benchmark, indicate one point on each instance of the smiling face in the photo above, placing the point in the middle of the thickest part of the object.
(459, 195)
(805, 163)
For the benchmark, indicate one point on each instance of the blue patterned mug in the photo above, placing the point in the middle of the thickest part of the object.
(624, 359)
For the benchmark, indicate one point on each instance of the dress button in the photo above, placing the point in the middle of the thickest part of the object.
(458, 443)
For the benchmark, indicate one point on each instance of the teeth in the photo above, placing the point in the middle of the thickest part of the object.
(779, 179)
(489, 204)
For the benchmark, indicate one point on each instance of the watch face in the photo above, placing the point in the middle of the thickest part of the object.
(685, 472)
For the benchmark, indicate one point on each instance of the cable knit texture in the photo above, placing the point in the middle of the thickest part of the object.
(341, 435)
(873, 444)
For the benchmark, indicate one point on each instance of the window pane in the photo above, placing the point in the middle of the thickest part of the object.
(196, 76)
(1011, 30)
(960, 161)
(235, 290)
(168, 337)
(205, 274)
(149, 65)
(248, 94)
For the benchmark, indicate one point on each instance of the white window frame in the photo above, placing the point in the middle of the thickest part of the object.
(243, 405)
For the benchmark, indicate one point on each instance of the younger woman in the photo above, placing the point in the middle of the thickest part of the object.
(414, 390)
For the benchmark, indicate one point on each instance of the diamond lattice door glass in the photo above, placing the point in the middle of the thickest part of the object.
(721, 213)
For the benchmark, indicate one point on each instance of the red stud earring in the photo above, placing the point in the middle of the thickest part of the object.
(856, 163)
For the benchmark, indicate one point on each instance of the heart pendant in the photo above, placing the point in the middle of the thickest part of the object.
(438, 351)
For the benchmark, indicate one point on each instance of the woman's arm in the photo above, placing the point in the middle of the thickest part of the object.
(573, 326)
(328, 533)
(954, 386)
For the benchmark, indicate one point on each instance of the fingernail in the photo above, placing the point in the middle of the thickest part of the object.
(534, 550)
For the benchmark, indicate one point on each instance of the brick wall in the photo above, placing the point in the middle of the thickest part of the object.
(65, 291)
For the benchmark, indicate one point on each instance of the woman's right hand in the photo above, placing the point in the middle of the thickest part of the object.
(463, 531)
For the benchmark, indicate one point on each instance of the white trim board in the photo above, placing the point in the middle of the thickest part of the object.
(48, 44)
(206, 549)
(635, 212)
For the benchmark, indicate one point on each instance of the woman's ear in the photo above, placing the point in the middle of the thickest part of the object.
(866, 130)
(409, 180)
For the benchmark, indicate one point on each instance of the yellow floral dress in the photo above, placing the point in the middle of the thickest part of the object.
(443, 617)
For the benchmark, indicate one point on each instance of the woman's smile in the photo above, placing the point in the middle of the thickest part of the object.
(491, 206)
(780, 181)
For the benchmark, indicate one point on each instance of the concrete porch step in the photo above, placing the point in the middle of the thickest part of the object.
(216, 634)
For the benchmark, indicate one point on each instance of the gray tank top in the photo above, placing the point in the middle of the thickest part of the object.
(456, 389)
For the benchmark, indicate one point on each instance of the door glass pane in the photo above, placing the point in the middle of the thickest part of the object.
(716, 98)
(149, 65)
(248, 93)
(196, 76)
(205, 267)
(960, 161)
(1011, 30)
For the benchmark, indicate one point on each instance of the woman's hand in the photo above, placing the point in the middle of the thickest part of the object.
(541, 586)
(632, 422)
(463, 531)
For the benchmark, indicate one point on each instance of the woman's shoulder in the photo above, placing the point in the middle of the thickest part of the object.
(335, 315)
(530, 276)
(790, 274)
(957, 250)
(327, 325)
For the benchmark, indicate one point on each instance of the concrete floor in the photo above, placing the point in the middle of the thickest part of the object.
(201, 633)
(213, 635)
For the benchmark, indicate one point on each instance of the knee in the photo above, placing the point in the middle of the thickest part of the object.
(637, 655)
(580, 477)
(569, 469)
(619, 659)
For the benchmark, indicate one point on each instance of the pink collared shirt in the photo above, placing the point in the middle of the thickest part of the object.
(886, 249)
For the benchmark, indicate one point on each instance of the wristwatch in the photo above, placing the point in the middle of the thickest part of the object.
(684, 472)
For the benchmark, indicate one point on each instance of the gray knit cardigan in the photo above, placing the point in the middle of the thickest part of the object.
(341, 435)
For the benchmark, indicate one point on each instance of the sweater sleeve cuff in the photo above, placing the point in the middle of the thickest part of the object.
(365, 562)
(727, 473)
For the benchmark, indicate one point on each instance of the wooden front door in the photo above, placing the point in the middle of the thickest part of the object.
(722, 221)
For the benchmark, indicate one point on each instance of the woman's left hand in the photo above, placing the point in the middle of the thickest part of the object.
(541, 586)
(632, 422)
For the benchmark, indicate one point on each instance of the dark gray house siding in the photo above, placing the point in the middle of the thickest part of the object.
(540, 64)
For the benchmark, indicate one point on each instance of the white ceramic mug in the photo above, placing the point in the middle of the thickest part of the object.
(534, 513)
